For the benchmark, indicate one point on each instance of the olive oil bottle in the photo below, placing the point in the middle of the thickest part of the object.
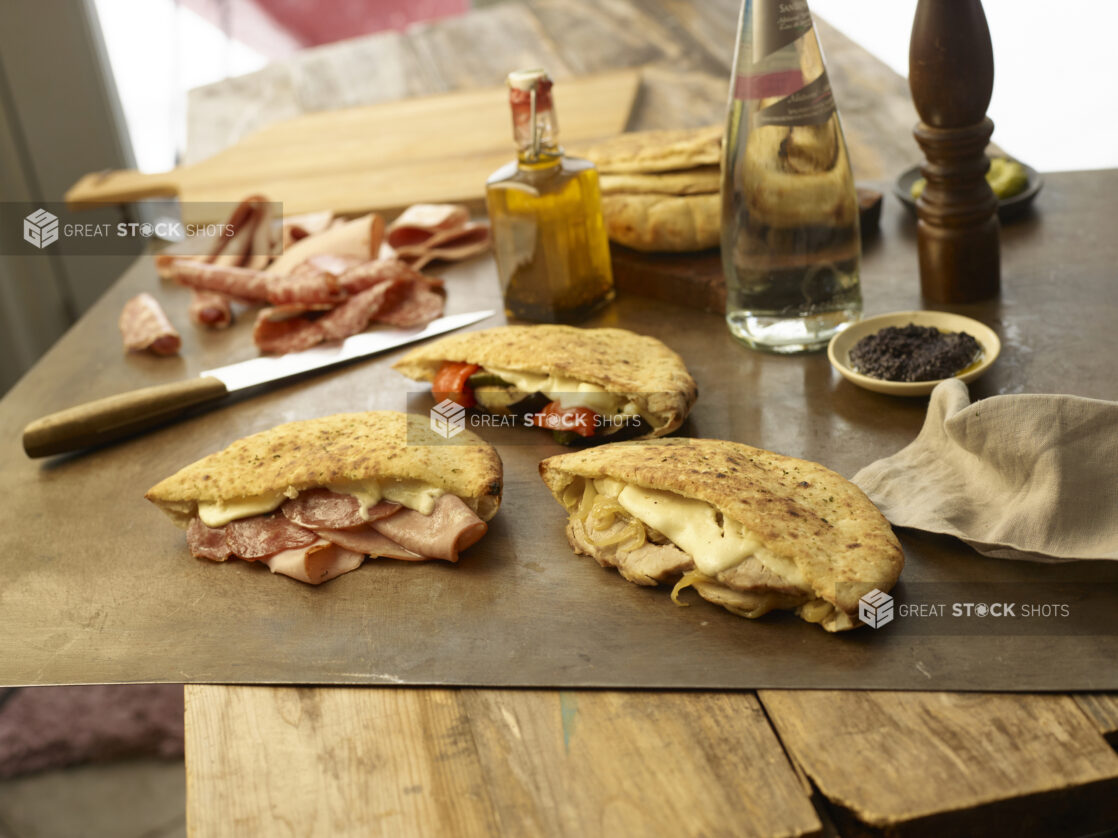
(545, 212)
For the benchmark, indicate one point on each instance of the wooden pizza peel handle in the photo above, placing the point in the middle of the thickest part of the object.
(118, 416)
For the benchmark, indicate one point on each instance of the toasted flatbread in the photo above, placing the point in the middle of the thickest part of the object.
(813, 542)
(704, 180)
(638, 367)
(664, 223)
(657, 151)
(342, 449)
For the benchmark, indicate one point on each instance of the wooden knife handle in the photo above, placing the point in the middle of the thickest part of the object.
(116, 416)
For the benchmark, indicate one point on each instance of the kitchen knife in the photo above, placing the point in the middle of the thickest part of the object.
(118, 416)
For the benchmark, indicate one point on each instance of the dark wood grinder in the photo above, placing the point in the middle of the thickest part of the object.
(951, 75)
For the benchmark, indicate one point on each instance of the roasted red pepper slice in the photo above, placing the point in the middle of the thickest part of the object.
(580, 420)
(450, 383)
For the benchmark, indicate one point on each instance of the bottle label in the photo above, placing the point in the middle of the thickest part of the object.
(812, 104)
(776, 24)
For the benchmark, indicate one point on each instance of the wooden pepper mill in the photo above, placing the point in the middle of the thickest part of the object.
(951, 75)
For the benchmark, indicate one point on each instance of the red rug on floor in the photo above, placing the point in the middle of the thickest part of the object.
(54, 727)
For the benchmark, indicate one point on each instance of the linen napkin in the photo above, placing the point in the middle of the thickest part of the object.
(1015, 477)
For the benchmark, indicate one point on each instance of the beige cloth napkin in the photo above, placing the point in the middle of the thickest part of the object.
(1016, 477)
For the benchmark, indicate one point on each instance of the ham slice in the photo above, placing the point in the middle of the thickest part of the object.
(315, 563)
(451, 245)
(368, 541)
(207, 542)
(450, 528)
(359, 238)
(322, 508)
(263, 535)
(419, 223)
(144, 325)
(296, 227)
(210, 309)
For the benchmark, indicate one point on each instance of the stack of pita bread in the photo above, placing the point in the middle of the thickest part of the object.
(660, 189)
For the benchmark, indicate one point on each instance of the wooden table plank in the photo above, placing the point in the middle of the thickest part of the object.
(915, 764)
(1102, 709)
(397, 762)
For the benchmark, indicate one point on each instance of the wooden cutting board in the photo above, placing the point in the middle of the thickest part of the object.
(378, 157)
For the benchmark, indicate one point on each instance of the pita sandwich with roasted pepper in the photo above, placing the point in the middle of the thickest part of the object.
(588, 385)
(748, 529)
(312, 499)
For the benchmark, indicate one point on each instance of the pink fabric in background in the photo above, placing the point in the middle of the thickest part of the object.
(327, 21)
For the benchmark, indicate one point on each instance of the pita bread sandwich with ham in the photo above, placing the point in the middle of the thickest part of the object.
(588, 385)
(748, 529)
(312, 499)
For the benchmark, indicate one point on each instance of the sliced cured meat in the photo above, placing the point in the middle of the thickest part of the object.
(355, 314)
(308, 284)
(315, 563)
(250, 244)
(420, 222)
(263, 535)
(450, 245)
(242, 283)
(451, 527)
(277, 337)
(207, 542)
(210, 309)
(418, 306)
(144, 325)
(370, 273)
(333, 264)
(367, 541)
(323, 508)
(296, 227)
(359, 238)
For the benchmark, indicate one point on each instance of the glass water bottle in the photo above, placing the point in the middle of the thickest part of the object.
(790, 240)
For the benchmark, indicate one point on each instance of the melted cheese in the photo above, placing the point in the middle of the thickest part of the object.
(414, 494)
(692, 525)
(218, 514)
(569, 392)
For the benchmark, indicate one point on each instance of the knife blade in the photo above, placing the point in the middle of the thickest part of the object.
(123, 415)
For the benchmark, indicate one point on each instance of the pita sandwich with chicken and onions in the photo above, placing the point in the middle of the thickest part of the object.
(585, 385)
(312, 499)
(748, 529)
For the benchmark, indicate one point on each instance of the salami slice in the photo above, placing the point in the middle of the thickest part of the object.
(210, 309)
(263, 535)
(308, 284)
(207, 542)
(418, 306)
(242, 283)
(323, 508)
(144, 325)
(355, 314)
(367, 274)
(278, 337)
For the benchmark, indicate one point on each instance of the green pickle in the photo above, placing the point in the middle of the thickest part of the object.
(1006, 177)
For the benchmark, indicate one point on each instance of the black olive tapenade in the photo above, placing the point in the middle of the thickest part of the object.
(913, 353)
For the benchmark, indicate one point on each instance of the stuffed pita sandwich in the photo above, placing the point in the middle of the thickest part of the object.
(312, 499)
(589, 385)
(748, 529)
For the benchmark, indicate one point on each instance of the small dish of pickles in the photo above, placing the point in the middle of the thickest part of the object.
(1014, 184)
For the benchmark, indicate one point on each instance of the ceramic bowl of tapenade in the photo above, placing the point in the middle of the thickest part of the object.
(907, 353)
